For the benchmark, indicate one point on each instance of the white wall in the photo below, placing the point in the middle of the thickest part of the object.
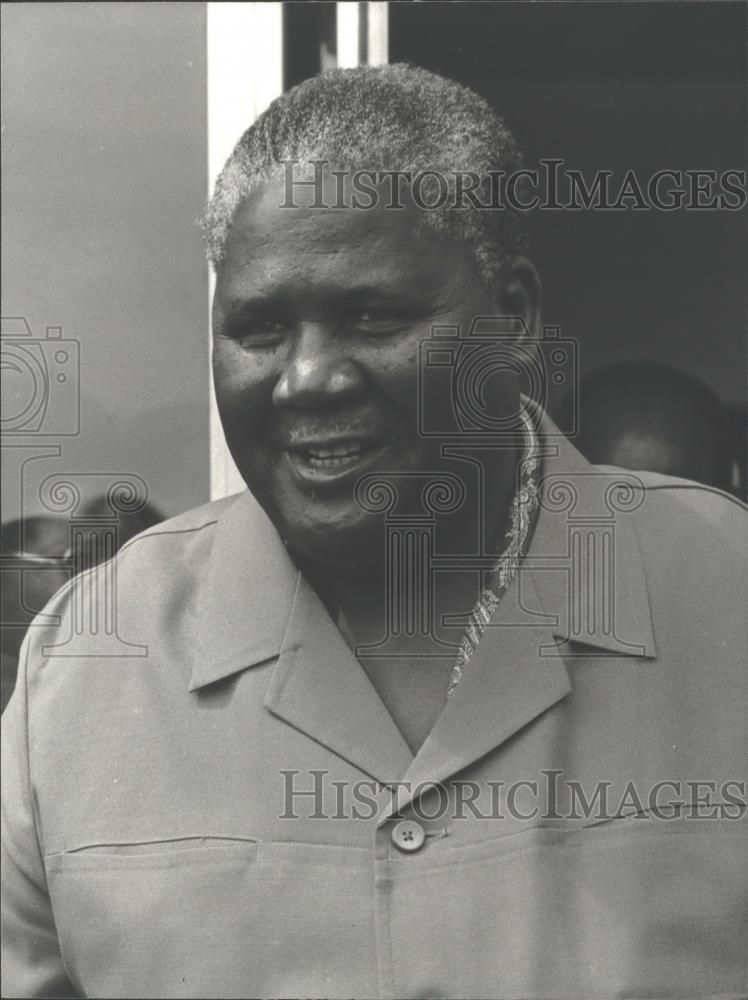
(104, 176)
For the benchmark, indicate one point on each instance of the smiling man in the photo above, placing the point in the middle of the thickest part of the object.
(319, 315)
(436, 707)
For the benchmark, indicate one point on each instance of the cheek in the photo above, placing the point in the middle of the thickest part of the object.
(229, 370)
(396, 371)
(243, 382)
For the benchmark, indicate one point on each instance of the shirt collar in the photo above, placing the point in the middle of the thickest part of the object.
(250, 581)
(584, 559)
(247, 594)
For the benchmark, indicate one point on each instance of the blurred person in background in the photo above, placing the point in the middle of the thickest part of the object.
(38, 561)
(650, 416)
(35, 565)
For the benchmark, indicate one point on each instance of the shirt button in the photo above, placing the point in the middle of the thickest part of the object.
(407, 835)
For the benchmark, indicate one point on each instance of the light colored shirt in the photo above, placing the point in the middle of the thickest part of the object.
(158, 844)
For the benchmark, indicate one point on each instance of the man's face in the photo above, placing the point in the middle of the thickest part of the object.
(318, 316)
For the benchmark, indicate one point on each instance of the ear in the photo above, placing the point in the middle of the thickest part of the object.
(519, 294)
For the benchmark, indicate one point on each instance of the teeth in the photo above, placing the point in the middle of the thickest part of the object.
(338, 451)
(334, 462)
(334, 457)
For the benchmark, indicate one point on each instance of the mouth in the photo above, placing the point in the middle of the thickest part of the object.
(328, 462)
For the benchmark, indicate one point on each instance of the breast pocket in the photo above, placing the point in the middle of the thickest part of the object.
(152, 918)
(208, 917)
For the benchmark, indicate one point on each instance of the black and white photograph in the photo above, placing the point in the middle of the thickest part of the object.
(374, 550)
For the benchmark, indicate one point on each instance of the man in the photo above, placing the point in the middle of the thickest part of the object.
(436, 709)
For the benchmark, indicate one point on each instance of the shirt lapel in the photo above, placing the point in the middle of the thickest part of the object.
(255, 607)
(320, 688)
(507, 685)
(584, 559)
(245, 594)
(580, 591)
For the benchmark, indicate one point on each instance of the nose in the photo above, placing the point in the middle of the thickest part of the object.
(318, 370)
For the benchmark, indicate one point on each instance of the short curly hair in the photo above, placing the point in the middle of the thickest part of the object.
(392, 117)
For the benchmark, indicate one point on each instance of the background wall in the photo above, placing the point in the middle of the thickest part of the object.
(104, 174)
(641, 86)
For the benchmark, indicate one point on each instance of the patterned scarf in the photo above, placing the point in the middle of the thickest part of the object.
(523, 515)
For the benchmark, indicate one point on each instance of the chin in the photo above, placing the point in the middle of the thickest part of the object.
(352, 544)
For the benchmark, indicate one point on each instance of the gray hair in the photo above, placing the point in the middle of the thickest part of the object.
(393, 117)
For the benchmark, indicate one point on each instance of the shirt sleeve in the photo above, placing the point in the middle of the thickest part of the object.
(32, 964)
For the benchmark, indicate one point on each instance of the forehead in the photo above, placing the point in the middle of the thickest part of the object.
(270, 245)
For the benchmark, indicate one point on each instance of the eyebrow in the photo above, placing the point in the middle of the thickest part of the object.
(280, 302)
(241, 309)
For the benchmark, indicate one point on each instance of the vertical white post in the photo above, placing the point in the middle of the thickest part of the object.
(245, 73)
(348, 20)
(377, 35)
(362, 34)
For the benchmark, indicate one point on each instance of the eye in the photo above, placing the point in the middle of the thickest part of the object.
(259, 333)
(379, 320)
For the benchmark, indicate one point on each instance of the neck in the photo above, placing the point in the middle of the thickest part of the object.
(361, 596)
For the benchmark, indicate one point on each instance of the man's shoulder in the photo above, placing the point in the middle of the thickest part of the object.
(654, 500)
(153, 575)
(661, 499)
(690, 536)
(167, 555)
(174, 532)
(151, 589)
